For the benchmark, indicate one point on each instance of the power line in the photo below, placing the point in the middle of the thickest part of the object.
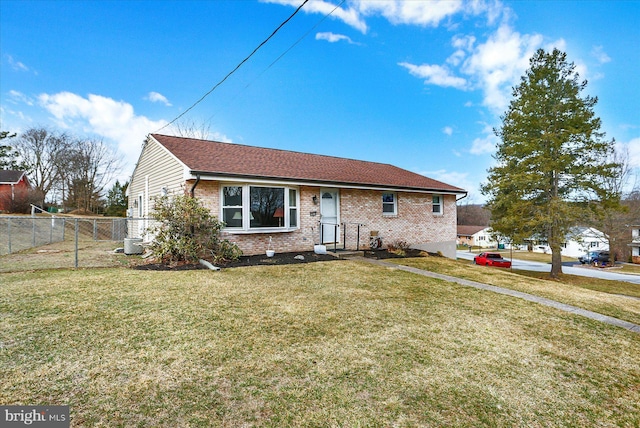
(237, 66)
(288, 49)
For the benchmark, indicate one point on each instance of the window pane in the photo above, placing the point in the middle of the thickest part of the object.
(387, 197)
(387, 208)
(232, 217)
(437, 206)
(292, 198)
(232, 196)
(293, 217)
(267, 206)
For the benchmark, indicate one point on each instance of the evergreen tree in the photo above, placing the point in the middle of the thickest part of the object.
(117, 200)
(8, 155)
(552, 158)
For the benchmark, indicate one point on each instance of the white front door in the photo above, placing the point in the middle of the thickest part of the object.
(329, 204)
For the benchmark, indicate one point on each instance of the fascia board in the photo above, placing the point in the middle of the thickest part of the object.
(192, 175)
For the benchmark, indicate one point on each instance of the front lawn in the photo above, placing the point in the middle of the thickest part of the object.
(322, 344)
(602, 296)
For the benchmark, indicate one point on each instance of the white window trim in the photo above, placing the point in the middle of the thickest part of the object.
(441, 205)
(395, 204)
(246, 202)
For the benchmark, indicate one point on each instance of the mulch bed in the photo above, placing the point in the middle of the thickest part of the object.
(278, 259)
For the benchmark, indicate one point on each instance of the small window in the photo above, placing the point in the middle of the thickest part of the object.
(293, 208)
(389, 204)
(437, 204)
(232, 206)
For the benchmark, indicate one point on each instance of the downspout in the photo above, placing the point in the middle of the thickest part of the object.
(193, 188)
(193, 193)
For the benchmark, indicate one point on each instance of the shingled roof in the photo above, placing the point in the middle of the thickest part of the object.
(10, 176)
(465, 230)
(227, 159)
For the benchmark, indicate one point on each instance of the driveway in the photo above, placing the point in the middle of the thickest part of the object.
(571, 268)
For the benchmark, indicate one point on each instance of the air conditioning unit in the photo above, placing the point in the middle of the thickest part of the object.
(133, 246)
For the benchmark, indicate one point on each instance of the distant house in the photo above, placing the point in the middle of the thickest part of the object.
(580, 241)
(293, 199)
(477, 236)
(14, 190)
(635, 244)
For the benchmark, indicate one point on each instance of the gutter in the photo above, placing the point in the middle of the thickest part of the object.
(326, 183)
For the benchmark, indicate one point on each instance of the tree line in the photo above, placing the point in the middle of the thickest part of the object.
(65, 171)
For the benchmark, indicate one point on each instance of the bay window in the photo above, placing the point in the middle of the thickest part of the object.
(251, 207)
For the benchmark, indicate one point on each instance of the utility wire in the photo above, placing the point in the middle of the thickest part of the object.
(287, 50)
(237, 66)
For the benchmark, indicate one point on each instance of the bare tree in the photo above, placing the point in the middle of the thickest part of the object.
(191, 129)
(91, 166)
(40, 151)
(610, 215)
(473, 215)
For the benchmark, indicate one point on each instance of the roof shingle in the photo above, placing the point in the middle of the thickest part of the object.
(216, 158)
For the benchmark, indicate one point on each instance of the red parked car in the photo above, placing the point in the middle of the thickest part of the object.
(491, 259)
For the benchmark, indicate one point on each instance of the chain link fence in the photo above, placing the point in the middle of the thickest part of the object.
(39, 242)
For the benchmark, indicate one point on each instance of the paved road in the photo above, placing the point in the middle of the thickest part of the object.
(570, 268)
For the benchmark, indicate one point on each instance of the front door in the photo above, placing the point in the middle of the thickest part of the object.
(329, 209)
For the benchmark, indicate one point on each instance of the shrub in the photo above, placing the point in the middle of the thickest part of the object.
(399, 247)
(186, 231)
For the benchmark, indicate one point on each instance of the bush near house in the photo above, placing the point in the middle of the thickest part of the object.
(186, 232)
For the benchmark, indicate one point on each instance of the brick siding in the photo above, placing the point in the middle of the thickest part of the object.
(414, 223)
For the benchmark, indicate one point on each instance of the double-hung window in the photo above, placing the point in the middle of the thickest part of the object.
(252, 207)
(389, 204)
(436, 204)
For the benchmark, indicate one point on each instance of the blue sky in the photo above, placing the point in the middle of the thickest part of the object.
(418, 84)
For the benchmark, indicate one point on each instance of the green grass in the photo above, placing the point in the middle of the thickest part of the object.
(600, 296)
(322, 344)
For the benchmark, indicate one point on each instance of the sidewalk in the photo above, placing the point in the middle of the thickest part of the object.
(529, 297)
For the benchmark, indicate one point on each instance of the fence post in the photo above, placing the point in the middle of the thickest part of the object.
(33, 232)
(9, 233)
(95, 229)
(76, 228)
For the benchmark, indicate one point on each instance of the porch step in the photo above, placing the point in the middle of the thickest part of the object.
(345, 254)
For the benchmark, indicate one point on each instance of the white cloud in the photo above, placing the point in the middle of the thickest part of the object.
(409, 12)
(423, 13)
(104, 117)
(486, 144)
(497, 65)
(454, 178)
(447, 130)
(633, 148)
(16, 65)
(349, 16)
(435, 75)
(600, 55)
(156, 97)
(19, 97)
(333, 38)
